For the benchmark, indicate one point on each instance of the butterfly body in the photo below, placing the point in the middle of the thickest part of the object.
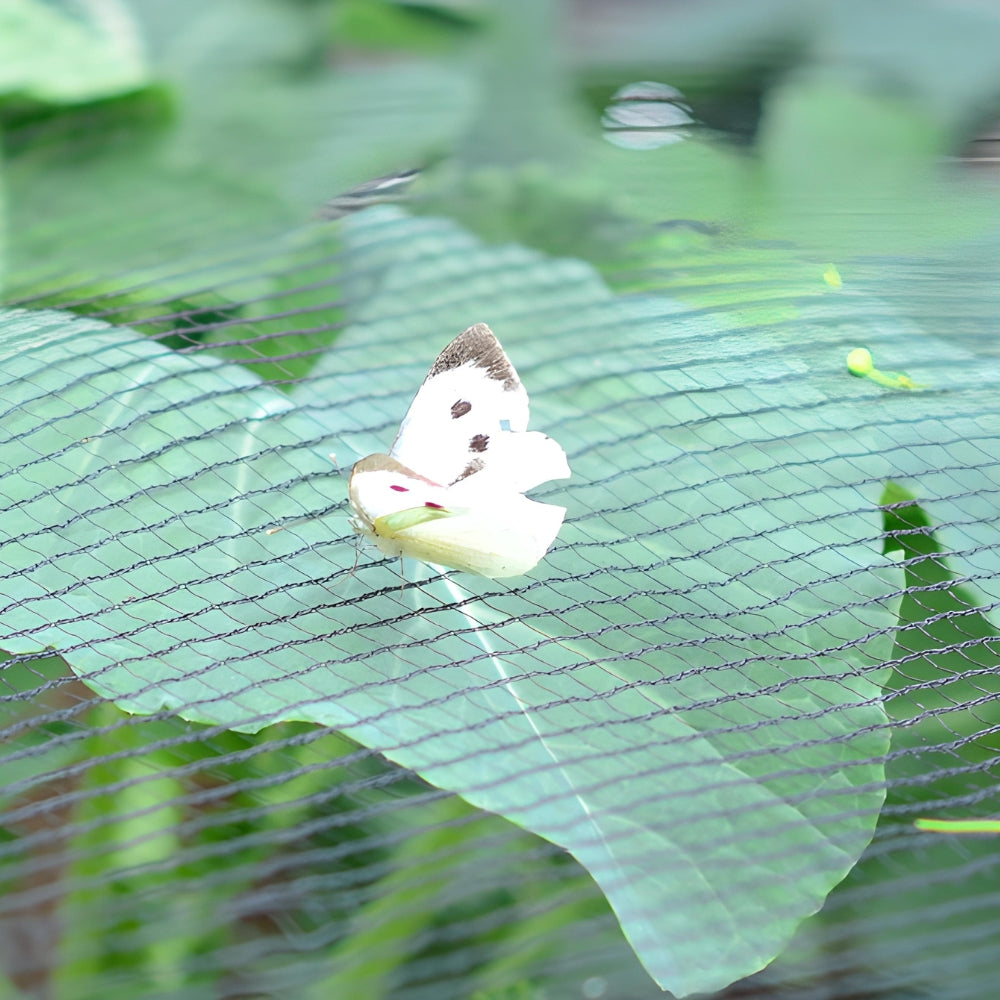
(451, 490)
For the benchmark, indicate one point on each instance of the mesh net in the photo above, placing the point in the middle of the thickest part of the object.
(242, 763)
(686, 752)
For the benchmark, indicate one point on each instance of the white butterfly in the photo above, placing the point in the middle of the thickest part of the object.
(451, 489)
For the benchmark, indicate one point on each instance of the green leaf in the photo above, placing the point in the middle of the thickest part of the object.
(947, 682)
(693, 672)
(69, 52)
(254, 143)
(383, 24)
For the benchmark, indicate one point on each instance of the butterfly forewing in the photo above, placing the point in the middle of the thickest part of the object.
(471, 397)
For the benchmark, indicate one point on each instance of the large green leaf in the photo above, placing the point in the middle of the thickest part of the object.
(686, 694)
(259, 133)
(69, 52)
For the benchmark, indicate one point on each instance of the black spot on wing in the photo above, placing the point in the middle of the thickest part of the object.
(478, 346)
(479, 443)
(460, 408)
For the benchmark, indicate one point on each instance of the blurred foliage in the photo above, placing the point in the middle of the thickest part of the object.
(162, 162)
(65, 54)
(199, 856)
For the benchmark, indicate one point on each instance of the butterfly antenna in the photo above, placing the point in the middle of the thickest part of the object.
(293, 524)
(300, 521)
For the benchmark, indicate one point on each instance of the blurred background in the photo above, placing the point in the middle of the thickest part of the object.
(313, 191)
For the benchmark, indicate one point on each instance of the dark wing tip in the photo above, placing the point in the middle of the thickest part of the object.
(477, 346)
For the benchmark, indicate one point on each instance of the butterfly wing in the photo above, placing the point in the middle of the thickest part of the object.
(470, 417)
(508, 539)
(495, 535)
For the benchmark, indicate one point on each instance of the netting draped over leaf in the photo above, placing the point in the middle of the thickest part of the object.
(690, 746)
(687, 692)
